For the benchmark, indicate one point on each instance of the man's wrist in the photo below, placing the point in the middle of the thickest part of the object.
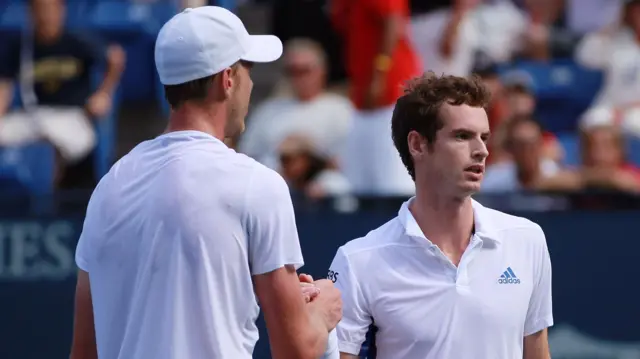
(382, 63)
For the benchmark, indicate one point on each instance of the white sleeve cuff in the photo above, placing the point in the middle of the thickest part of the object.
(349, 348)
(538, 325)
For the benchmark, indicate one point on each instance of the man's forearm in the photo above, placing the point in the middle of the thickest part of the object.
(6, 95)
(115, 67)
(317, 335)
(392, 29)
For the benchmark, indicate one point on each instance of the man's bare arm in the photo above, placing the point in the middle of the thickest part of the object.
(536, 346)
(6, 95)
(348, 356)
(84, 336)
(297, 330)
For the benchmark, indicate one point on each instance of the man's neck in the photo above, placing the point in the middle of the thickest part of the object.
(309, 97)
(188, 118)
(446, 222)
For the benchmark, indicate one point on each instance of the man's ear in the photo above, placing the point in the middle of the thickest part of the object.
(417, 144)
(227, 80)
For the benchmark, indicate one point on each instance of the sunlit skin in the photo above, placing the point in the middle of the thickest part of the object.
(453, 166)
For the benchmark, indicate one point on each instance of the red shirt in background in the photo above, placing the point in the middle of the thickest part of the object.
(360, 22)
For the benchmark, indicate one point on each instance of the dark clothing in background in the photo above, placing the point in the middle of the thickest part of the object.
(419, 7)
(309, 19)
(62, 70)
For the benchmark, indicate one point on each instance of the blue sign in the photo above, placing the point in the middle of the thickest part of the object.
(594, 254)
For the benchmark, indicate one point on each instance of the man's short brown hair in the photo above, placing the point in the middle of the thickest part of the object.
(195, 90)
(419, 108)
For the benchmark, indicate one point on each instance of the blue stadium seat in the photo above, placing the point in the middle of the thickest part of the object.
(134, 26)
(633, 150)
(564, 90)
(129, 18)
(106, 129)
(29, 167)
(570, 142)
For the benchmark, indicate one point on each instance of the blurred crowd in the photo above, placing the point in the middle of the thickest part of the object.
(326, 125)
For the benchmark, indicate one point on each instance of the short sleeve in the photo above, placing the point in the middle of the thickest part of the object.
(353, 327)
(85, 250)
(540, 314)
(270, 223)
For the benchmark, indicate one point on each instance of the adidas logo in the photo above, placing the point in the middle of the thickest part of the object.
(508, 277)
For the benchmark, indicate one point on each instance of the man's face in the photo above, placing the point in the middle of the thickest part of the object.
(306, 73)
(454, 163)
(239, 99)
(521, 103)
(525, 144)
(602, 148)
(48, 16)
(633, 15)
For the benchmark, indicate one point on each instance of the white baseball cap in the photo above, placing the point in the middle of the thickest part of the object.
(204, 41)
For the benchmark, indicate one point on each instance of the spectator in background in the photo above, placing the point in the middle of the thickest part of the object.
(454, 36)
(528, 169)
(312, 111)
(604, 162)
(518, 100)
(616, 51)
(379, 59)
(307, 171)
(292, 19)
(54, 69)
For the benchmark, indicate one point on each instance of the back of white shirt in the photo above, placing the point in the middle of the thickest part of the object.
(173, 234)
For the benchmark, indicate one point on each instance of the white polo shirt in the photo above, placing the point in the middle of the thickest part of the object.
(172, 237)
(426, 308)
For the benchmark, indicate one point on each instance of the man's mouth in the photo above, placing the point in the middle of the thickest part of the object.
(477, 169)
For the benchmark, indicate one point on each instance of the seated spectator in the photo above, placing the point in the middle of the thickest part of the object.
(307, 171)
(312, 111)
(53, 67)
(615, 50)
(528, 168)
(604, 162)
(518, 100)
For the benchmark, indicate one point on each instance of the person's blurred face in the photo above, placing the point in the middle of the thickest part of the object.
(48, 16)
(494, 85)
(294, 166)
(632, 14)
(602, 148)
(454, 163)
(240, 86)
(520, 103)
(525, 145)
(305, 72)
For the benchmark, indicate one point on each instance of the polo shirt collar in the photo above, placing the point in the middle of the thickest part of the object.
(483, 221)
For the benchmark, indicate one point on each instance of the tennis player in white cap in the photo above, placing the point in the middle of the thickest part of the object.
(183, 233)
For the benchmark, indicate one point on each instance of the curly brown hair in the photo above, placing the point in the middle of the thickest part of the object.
(419, 108)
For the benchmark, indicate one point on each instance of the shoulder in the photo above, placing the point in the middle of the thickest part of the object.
(367, 247)
(511, 228)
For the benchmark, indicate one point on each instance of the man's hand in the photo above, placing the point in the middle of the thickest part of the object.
(309, 290)
(374, 91)
(99, 104)
(329, 299)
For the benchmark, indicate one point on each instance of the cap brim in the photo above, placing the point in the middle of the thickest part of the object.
(263, 48)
